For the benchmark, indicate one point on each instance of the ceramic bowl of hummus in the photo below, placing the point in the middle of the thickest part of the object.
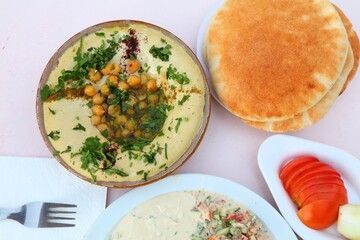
(123, 103)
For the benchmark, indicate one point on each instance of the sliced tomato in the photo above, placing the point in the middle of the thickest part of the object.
(319, 214)
(300, 171)
(295, 164)
(318, 188)
(299, 186)
(318, 172)
(339, 197)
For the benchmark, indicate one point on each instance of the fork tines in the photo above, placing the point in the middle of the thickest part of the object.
(57, 215)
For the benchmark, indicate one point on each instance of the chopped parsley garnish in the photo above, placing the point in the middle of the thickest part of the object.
(68, 149)
(179, 120)
(120, 98)
(98, 156)
(145, 176)
(95, 58)
(79, 127)
(116, 171)
(100, 34)
(172, 73)
(54, 135)
(162, 166)
(158, 69)
(155, 118)
(52, 111)
(140, 172)
(184, 99)
(163, 53)
(166, 151)
(90, 104)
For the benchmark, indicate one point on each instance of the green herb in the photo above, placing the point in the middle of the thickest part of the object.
(166, 151)
(116, 171)
(184, 99)
(178, 124)
(105, 133)
(155, 118)
(92, 172)
(162, 166)
(96, 58)
(172, 73)
(100, 34)
(158, 69)
(77, 118)
(55, 135)
(55, 153)
(52, 111)
(132, 56)
(68, 149)
(173, 87)
(90, 104)
(145, 176)
(92, 152)
(163, 53)
(140, 172)
(79, 127)
(120, 98)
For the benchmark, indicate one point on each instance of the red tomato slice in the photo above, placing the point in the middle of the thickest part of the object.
(319, 214)
(299, 186)
(339, 197)
(318, 188)
(314, 173)
(300, 171)
(295, 164)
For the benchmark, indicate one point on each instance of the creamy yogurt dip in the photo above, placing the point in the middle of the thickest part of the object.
(67, 112)
(196, 215)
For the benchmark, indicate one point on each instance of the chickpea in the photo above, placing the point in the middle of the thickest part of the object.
(94, 75)
(147, 134)
(113, 80)
(114, 110)
(90, 90)
(118, 133)
(130, 125)
(105, 89)
(133, 65)
(95, 120)
(116, 69)
(120, 120)
(123, 86)
(134, 81)
(107, 69)
(137, 133)
(144, 78)
(98, 99)
(102, 127)
(153, 98)
(151, 85)
(126, 133)
(98, 110)
(142, 105)
(130, 111)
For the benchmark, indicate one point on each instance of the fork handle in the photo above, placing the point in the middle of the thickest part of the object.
(8, 213)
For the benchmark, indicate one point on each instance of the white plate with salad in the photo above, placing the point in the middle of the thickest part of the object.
(107, 225)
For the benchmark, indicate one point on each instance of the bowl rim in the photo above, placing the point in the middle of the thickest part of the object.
(124, 184)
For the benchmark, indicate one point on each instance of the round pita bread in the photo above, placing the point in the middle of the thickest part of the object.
(314, 114)
(355, 45)
(270, 60)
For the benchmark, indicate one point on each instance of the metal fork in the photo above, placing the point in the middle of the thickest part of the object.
(41, 214)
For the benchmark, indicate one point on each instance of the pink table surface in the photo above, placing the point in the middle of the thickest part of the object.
(31, 31)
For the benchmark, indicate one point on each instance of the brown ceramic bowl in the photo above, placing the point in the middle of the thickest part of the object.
(46, 121)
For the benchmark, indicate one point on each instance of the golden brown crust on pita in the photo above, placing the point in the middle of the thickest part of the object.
(354, 42)
(270, 60)
(314, 114)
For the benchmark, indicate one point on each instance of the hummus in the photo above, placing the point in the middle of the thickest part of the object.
(198, 215)
(67, 116)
